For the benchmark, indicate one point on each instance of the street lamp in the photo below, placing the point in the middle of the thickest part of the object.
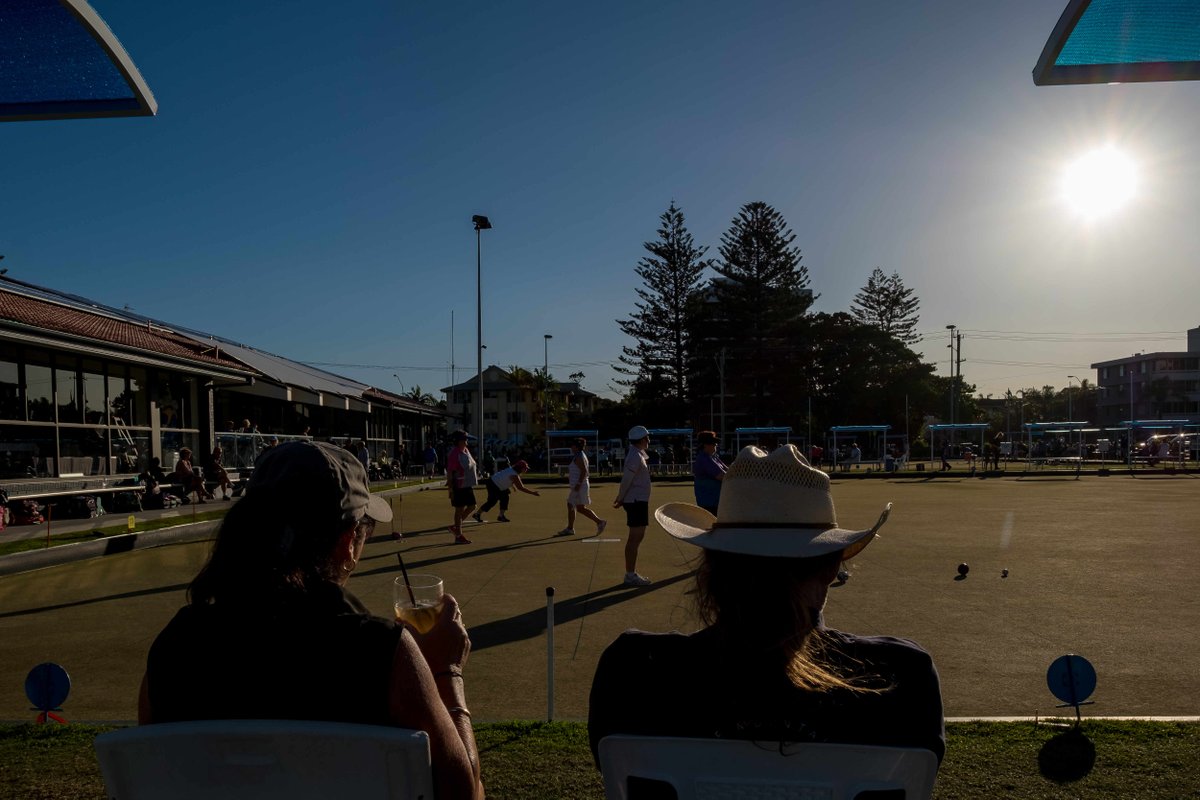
(397, 377)
(546, 337)
(1070, 413)
(481, 224)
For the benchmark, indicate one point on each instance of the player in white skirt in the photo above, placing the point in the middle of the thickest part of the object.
(580, 496)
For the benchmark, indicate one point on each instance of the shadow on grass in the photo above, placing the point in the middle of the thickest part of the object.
(179, 587)
(446, 549)
(532, 623)
(1067, 757)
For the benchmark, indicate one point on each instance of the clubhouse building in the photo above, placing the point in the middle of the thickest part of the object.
(89, 390)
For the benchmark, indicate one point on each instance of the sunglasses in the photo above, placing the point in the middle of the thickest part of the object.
(365, 527)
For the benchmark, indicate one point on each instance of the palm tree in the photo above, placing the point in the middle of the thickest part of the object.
(418, 396)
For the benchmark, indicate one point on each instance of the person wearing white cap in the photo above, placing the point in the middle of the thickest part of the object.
(271, 632)
(634, 497)
(766, 668)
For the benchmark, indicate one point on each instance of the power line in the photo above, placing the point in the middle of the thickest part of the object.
(1082, 337)
(440, 368)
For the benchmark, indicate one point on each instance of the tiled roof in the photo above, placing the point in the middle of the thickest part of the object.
(373, 394)
(57, 318)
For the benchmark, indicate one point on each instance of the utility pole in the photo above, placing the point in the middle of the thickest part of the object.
(953, 380)
(721, 372)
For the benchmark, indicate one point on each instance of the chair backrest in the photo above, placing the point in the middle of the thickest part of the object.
(265, 759)
(704, 769)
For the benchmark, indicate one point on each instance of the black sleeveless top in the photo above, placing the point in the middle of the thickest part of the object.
(671, 684)
(320, 656)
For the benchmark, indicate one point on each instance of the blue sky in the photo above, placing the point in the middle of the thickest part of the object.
(308, 185)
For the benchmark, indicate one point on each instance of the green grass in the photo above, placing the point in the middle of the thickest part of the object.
(539, 761)
(141, 526)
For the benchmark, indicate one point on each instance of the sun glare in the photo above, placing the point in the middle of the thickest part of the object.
(1099, 183)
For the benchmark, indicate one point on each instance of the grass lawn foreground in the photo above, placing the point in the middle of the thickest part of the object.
(546, 761)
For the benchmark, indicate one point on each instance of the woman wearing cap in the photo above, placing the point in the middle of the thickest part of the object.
(461, 478)
(499, 487)
(270, 631)
(709, 470)
(765, 668)
(580, 495)
(634, 497)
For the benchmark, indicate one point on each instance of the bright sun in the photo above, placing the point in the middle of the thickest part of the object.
(1099, 182)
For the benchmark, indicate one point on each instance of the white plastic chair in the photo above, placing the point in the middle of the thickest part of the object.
(264, 760)
(726, 769)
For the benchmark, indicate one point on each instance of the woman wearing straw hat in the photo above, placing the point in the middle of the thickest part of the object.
(765, 668)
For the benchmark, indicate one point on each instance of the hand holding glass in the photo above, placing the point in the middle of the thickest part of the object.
(418, 601)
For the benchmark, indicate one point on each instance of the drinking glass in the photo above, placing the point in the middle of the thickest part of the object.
(418, 600)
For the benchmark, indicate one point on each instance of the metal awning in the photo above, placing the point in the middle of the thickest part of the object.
(1122, 41)
(58, 60)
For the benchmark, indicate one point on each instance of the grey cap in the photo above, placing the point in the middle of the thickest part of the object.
(320, 474)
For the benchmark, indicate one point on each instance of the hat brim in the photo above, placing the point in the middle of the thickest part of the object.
(379, 509)
(694, 525)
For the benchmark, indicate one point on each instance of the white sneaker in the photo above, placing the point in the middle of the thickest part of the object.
(600, 526)
(633, 579)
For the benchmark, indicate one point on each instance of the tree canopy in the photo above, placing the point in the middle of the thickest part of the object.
(672, 276)
(886, 303)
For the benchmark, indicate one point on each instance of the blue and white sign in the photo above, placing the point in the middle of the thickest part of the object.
(47, 686)
(1071, 679)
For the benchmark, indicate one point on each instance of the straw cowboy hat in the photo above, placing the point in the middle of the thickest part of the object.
(771, 505)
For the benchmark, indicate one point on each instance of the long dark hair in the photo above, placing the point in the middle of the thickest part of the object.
(269, 549)
(768, 606)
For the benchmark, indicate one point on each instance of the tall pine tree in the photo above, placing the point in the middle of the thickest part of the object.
(659, 325)
(760, 292)
(885, 303)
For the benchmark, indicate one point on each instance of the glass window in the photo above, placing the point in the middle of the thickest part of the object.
(85, 450)
(132, 450)
(10, 385)
(176, 400)
(95, 409)
(138, 404)
(39, 387)
(172, 442)
(26, 451)
(66, 388)
(118, 397)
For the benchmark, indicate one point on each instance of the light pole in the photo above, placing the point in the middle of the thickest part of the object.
(546, 337)
(1070, 412)
(481, 224)
(1022, 430)
(953, 383)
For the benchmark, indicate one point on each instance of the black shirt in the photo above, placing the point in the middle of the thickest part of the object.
(698, 685)
(318, 656)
